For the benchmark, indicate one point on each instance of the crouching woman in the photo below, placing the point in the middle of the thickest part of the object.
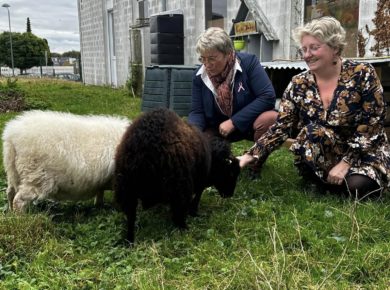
(337, 108)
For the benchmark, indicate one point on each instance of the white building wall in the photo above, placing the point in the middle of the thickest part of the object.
(283, 15)
(94, 41)
(156, 6)
(277, 13)
(92, 44)
(123, 14)
(194, 22)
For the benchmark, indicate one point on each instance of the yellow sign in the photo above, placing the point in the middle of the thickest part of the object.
(245, 27)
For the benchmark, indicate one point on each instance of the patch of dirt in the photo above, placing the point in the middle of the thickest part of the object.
(11, 102)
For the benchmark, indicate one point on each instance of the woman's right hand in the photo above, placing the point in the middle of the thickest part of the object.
(245, 159)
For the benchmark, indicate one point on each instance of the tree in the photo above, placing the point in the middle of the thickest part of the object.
(381, 32)
(28, 50)
(28, 25)
(5, 48)
(72, 53)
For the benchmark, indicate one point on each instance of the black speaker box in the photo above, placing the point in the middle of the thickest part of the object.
(166, 23)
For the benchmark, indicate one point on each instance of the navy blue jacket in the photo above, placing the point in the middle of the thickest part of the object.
(253, 94)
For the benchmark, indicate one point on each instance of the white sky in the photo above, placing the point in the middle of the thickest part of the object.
(55, 20)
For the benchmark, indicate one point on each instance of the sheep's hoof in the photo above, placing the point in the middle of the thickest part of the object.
(124, 243)
(99, 202)
(129, 244)
(7, 208)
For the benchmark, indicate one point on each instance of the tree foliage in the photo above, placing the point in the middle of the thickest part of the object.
(381, 32)
(28, 25)
(72, 53)
(28, 50)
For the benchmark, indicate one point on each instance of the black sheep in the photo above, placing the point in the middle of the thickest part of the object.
(163, 159)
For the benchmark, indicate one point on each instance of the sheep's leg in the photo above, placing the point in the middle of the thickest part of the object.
(23, 197)
(179, 208)
(99, 198)
(131, 213)
(11, 195)
(195, 204)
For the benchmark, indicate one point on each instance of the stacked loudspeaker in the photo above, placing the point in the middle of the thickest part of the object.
(167, 39)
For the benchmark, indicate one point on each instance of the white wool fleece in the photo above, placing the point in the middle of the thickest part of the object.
(59, 156)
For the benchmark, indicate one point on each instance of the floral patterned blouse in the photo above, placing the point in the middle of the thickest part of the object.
(350, 129)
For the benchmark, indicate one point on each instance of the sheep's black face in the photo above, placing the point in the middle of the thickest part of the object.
(225, 179)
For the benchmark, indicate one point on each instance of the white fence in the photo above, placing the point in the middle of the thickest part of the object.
(7, 71)
(39, 71)
(50, 70)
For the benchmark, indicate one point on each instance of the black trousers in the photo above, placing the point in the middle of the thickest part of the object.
(354, 185)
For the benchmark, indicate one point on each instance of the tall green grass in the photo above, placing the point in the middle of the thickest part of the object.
(274, 233)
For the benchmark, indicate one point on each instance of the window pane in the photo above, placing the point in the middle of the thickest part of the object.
(216, 11)
(347, 12)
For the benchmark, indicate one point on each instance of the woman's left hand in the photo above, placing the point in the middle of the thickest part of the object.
(245, 159)
(337, 173)
(225, 128)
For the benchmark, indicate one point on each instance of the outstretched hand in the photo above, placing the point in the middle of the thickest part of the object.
(245, 160)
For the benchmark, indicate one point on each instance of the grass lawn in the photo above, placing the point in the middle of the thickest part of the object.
(274, 233)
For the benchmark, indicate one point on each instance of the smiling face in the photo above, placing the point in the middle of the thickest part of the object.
(317, 55)
(214, 61)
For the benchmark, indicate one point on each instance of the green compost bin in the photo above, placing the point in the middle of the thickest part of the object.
(168, 86)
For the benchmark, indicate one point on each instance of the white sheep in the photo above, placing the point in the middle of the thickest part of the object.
(59, 156)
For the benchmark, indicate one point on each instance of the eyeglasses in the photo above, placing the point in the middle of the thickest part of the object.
(312, 49)
(209, 59)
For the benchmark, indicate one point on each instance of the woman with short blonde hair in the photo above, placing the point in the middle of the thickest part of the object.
(326, 29)
(232, 95)
(338, 110)
(214, 38)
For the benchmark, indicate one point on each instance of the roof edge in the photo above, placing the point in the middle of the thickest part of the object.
(262, 20)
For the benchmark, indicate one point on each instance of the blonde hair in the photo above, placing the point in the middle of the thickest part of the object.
(326, 29)
(214, 38)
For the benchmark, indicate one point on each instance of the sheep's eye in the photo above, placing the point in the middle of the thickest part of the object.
(228, 161)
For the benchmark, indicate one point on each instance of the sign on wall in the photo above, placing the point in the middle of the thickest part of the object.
(245, 27)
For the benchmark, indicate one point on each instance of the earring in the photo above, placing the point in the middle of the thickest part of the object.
(336, 58)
